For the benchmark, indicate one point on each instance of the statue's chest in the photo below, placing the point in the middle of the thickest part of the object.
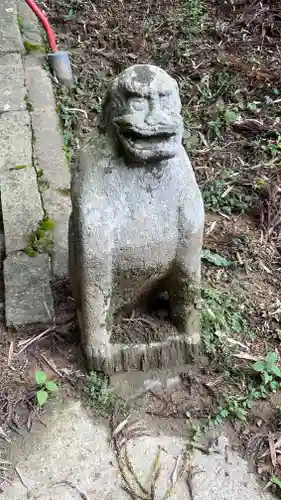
(145, 208)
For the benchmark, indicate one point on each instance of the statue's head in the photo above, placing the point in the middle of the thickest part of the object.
(142, 109)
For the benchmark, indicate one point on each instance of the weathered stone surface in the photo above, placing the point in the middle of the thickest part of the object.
(10, 37)
(12, 89)
(31, 29)
(22, 208)
(28, 296)
(71, 457)
(40, 95)
(56, 176)
(15, 140)
(21, 202)
(58, 205)
(137, 224)
(52, 161)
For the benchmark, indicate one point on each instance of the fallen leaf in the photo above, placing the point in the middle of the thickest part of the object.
(215, 258)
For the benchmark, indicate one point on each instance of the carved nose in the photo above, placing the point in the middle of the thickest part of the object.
(156, 116)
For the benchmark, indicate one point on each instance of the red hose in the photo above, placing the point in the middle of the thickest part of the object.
(46, 25)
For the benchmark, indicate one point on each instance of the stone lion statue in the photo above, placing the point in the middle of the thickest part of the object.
(137, 223)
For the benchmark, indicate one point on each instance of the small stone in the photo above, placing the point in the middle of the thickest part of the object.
(28, 295)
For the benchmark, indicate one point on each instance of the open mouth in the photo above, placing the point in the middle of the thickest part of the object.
(134, 135)
(144, 139)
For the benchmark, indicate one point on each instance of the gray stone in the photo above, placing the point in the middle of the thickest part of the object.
(52, 160)
(58, 206)
(137, 224)
(15, 141)
(21, 207)
(12, 89)
(48, 146)
(50, 157)
(28, 296)
(71, 458)
(21, 202)
(40, 91)
(10, 37)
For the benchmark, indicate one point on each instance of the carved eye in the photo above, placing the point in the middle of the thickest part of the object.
(138, 104)
(167, 102)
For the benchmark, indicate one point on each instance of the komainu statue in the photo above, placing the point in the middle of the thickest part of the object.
(135, 232)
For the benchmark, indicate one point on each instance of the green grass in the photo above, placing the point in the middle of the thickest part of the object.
(98, 395)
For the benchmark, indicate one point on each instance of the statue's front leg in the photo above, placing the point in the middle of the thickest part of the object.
(94, 312)
(184, 288)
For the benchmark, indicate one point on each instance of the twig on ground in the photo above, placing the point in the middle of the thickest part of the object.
(74, 487)
(33, 339)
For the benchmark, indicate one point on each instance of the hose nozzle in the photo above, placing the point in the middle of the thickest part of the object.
(60, 65)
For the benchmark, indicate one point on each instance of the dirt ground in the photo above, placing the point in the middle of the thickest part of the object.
(225, 56)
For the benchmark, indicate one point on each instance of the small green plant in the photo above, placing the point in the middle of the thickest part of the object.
(44, 387)
(98, 394)
(215, 259)
(276, 480)
(221, 314)
(196, 431)
(33, 47)
(239, 199)
(28, 104)
(234, 408)
(269, 371)
(18, 167)
(195, 12)
(41, 240)
(272, 146)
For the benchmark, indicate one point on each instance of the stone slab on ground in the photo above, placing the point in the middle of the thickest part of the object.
(31, 31)
(49, 156)
(10, 37)
(72, 457)
(15, 140)
(28, 295)
(21, 207)
(12, 89)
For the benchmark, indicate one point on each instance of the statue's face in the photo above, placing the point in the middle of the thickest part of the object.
(147, 120)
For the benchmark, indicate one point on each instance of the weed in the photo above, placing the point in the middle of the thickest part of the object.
(28, 104)
(98, 394)
(196, 431)
(196, 13)
(272, 146)
(33, 47)
(21, 23)
(276, 480)
(215, 259)
(45, 387)
(239, 199)
(41, 240)
(269, 371)
(216, 85)
(234, 408)
(18, 167)
(221, 314)
(66, 119)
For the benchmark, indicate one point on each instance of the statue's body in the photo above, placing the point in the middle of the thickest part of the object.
(137, 221)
